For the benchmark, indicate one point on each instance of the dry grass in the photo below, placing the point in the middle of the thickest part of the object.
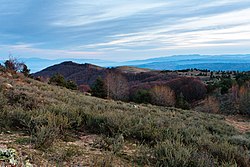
(242, 124)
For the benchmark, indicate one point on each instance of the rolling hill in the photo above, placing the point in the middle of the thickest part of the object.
(49, 125)
(87, 73)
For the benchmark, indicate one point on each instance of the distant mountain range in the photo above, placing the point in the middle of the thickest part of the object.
(176, 62)
(221, 62)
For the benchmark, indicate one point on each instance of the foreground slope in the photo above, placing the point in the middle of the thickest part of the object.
(51, 125)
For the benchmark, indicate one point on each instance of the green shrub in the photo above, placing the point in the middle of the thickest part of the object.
(170, 153)
(44, 136)
(21, 99)
(71, 85)
(59, 80)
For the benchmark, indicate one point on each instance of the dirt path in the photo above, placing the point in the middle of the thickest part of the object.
(242, 124)
(80, 152)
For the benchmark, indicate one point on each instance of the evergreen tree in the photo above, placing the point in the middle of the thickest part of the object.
(142, 96)
(99, 89)
(182, 103)
(25, 70)
(58, 80)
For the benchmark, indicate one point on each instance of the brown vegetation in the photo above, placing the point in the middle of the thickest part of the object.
(117, 86)
(163, 96)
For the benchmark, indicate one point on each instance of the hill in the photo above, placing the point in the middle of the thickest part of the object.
(49, 125)
(80, 73)
(129, 79)
(87, 73)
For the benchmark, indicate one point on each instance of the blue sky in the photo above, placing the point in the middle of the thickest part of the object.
(122, 30)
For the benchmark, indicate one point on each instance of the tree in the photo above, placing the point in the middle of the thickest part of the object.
(163, 95)
(12, 65)
(1, 67)
(182, 103)
(142, 96)
(244, 99)
(25, 70)
(117, 86)
(210, 104)
(57, 79)
(226, 84)
(244, 106)
(99, 89)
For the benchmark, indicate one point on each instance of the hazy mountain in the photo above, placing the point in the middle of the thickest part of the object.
(209, 66)
(37, 64)
(222, 62)
(212, 62)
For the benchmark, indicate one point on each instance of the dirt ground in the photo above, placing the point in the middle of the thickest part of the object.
(242, 124)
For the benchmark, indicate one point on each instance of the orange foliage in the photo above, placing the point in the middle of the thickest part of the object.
(163, 95)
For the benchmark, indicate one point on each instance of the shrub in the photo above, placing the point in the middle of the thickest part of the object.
(21, 99)
(44, 136)
(59, 80)
(170, 153)
(71, 85)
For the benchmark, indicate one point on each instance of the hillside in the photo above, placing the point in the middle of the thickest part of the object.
(80, 73)
(127, 82)
(49, 125)
(86, 74)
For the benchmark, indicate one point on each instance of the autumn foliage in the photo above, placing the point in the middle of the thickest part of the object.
(163, 95)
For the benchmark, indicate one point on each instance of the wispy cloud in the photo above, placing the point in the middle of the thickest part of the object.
(82, 13)
(29, 51)
(190, 32)
(107, 28)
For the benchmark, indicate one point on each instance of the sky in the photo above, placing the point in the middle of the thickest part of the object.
(122, 30)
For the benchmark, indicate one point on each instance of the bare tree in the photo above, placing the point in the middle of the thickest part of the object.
(163, 95)
(117, 86)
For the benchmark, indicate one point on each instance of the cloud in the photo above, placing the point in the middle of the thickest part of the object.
(233, 27)
(107, 28)
(28, 51)
(108, 10)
